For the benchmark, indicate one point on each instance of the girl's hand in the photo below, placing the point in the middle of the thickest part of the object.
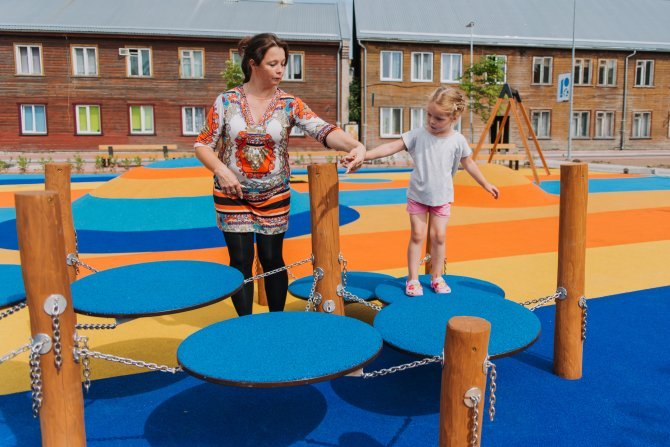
(491, 189)
(228, 181)
(354, 159)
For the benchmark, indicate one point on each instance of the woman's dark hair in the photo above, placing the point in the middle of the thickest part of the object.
(255, 47)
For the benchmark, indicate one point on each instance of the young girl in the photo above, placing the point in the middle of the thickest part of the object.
(436, 150)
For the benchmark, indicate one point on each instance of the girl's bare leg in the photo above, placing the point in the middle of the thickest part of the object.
(417, 239)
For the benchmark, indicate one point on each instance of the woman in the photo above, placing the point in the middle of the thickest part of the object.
(251, 168)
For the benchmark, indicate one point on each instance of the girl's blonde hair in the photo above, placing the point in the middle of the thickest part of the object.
(451, 100)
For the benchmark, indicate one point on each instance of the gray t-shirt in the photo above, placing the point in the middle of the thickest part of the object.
(436, 160)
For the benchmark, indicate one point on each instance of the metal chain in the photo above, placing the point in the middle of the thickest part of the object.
(11, 310)
(343, 261)
(73, 260)
(395, 369)
(83, 359)
(15, 352)
(425, 259)
(314, 298)
(559, 294)
(96, 326)
(36, 377)
(351, 297)
(493, 375)
(126, 361)
(55, 325)
(280, 269)
(474, 432)
(584, 306)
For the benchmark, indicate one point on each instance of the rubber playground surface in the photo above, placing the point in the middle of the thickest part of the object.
(164, 212)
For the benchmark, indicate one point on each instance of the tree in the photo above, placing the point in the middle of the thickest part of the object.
(232, 75)
(355, 100)
(487, 77)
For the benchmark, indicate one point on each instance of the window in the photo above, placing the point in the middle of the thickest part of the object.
(582, 72)
(391, 66)
(644, 74)
(88, 120)
(607, 72)
(84, 61)
(452, 67)
(422, 67)
(542, 70)
(503, 64)
(33, 119)
(192, 64)
(457, 125)
(580, 124)
(641, 125)
(29, 60)
(390, 122)
(417, 117)
(141, 120)
(605, 125)
(192, 119)
(293, 70)
(139, 62)
(297, 132)
(541, 122)
(235, 57)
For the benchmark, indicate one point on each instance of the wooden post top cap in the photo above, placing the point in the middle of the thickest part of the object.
(469, 324)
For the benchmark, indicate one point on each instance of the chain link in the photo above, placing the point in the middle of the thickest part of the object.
(84, 351)
(351, 297)
(493, 376)
(584, 306)
(83, 359)
(280, 269)
(36, 377)
(15, 353)
(395, 369)
(474, 429)
(12, 310)
(73, 260)
(55, 325)
(314, 298)
(343, 261)
(539, 302)
(96, 326)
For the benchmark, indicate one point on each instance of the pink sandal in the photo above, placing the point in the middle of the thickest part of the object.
(413, 288)
(439, 285)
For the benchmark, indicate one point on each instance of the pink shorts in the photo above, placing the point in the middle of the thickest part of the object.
(414, 207)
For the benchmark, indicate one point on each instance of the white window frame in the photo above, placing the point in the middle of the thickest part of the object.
(579, 117)
(536, 122)
(143, 124)
(187, 57)
(388, 133)
(31, 131)
(30, 70)
(601, 124)
(543, 62)
(642, 78)
(503, 58)
(88, 70)
(637, 132)
(235, 57)
(581, 65)
(289, 72)
(87, 107)
(417, 117)
(185, 122)
(605, 68)
(137, 53)
(381, 65)
(419, 66)
(446, 76)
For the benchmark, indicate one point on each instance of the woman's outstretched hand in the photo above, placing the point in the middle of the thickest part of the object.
(354, 159)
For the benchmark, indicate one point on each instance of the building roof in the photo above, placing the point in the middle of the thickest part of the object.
(185, 18)
(599, 24)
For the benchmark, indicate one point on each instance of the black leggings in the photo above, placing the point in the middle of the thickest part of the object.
(241, 252)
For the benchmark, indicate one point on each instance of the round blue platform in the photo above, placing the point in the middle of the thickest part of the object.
(11, 285)
(394, 291)
(418, 326)
(154, 288)
(279, 349)
(361, 284)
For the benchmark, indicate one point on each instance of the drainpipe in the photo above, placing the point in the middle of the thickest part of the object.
(364, 79)
(625, 97)
(339, 86)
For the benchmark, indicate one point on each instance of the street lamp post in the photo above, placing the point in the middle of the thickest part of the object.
(471, 25)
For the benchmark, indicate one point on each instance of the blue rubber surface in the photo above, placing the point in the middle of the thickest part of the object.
(190, 162)
(11, 285)
(652, 183)
(394, 291)
(154, 288)
(33, 179)
(419, 326)
(361, 284)
(279, 349)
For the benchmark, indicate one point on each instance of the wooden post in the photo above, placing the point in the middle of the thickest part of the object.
(325, 214)
(571, 270)
(465, 350)
(57, 178)
(262, 296)
(41, 245)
